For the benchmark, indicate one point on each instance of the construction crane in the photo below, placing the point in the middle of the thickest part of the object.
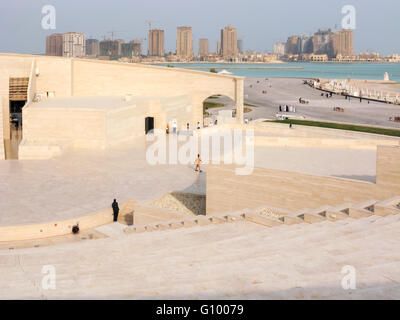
(149, 24)
(113, 32)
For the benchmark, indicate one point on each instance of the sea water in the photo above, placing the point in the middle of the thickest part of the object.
(329, 70)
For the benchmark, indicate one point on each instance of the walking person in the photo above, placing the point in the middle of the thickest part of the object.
(198, 126)
(174, 126)
(198, 161)
(115, 208)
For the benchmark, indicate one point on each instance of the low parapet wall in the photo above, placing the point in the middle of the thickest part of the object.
(59, 228)
(322, 142)
(55, 228)
(228, 192)
(300, 131)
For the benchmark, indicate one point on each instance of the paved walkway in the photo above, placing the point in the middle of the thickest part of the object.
(288, 91)
(85, 182)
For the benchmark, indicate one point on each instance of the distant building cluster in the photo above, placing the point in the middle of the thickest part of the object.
(72, 44)
(324, 45)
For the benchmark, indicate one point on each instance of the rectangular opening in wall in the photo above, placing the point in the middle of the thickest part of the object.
(18, 95)
(149, 125)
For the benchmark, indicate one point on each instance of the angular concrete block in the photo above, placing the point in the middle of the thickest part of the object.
(288, 220)
(359, 213)
(216, 220)
(311, 218)
(334, 216)
(162, 226)
(384, 211)
(203, 221)
(150, 228)
(176, 225)
(262, 220)
(189, 223)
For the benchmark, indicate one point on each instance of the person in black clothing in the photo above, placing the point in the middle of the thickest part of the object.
(115, 209)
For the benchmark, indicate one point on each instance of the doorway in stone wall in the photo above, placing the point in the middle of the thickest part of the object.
(149, 125)
(18, 92)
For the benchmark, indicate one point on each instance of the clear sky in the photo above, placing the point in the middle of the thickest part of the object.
(260, 23)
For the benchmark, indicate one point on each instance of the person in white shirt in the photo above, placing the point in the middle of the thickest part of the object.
(174, 126)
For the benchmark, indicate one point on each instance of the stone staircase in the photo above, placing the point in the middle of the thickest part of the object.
(325, 213)
(243, 255)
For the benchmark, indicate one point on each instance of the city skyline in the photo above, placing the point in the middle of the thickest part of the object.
(376, 23)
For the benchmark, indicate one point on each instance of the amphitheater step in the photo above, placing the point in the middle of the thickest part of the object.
(193, 222)
(162, 226)
(334, 216)
(385, 210)
(388, 207)
(263, 220)
(366, 205)
(289, 220)
(189, 223)
(359, 213)
(175, 225)
(232, 218)
(203, 221)
(395, 202)
(326, 247)
(112, 230)
(320, 211)
(216, 220)
(311, 218)
(343, 208)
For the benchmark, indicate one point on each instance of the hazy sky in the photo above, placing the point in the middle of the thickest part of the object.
(260, 23)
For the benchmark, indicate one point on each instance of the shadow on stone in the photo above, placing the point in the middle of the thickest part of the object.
(359, 178)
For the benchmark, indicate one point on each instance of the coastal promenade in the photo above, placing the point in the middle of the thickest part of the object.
(371, 90)
(285, 91)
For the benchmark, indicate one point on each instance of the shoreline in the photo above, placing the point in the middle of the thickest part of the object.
(250, 68)
(276, 62)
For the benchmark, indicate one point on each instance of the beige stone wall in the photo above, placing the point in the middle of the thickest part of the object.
(54, 76)
(66, 77)
(108, 78)
(15, 65)
(325, 143)
(32, 83)
(388, 168)
(4, 113)
(97, 128)
(123, 124)
(54, 72)
(2, 150)
(76, 127)
(10, 66)
(55, 228)
(227, 192)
